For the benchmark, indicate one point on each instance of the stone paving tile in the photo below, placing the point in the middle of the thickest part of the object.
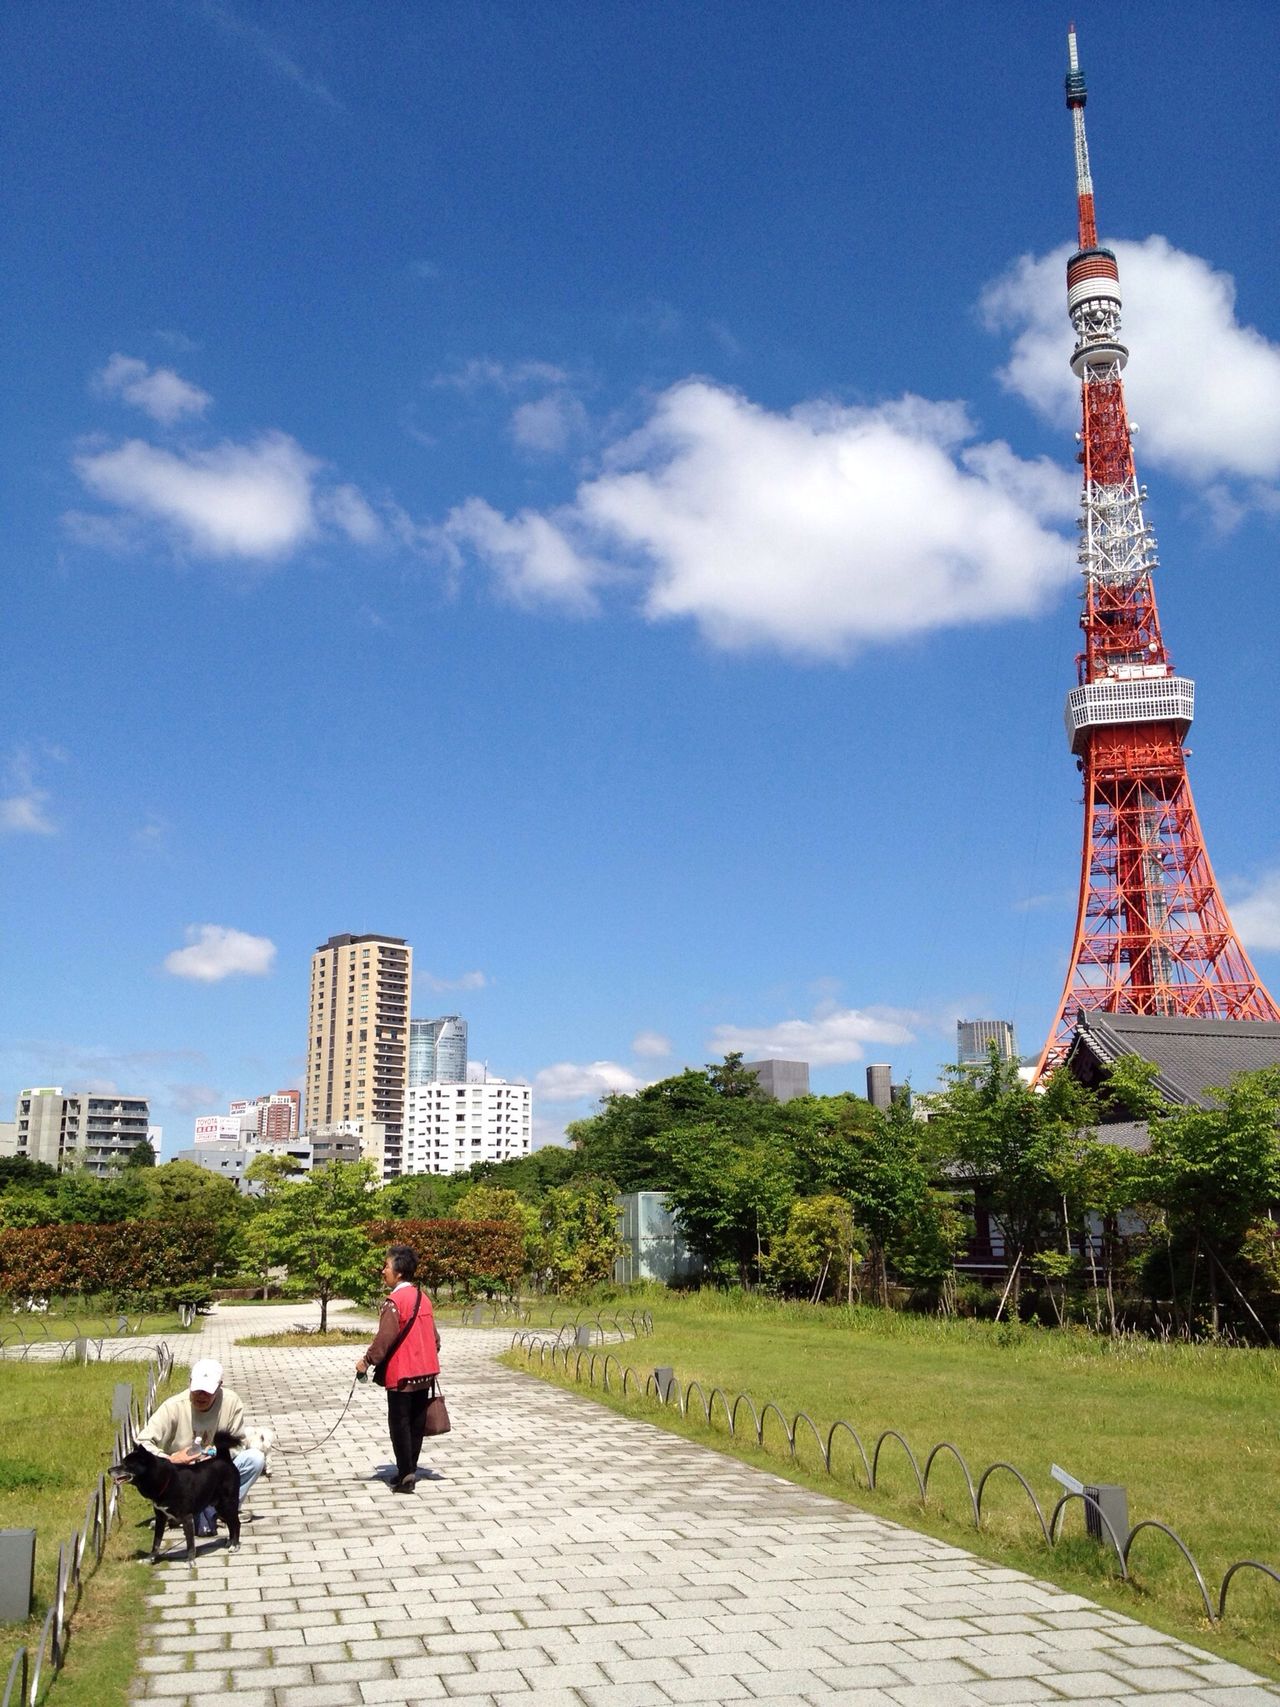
(565, 1556)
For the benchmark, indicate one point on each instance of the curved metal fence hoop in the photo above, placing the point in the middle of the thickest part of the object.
(853, 1434)
(577, 1364)
(706, 1408)
(1180, 1544)
(1243, 1565)
(892, 1434)
(20, 1659)
(786, 1427)
(803, 1416)
(43, 1646)
(1121, 1556)
(652, 1381)
(749, 1402)
(1030, 1492)
(946, 1446)
(626, 1374)
(610, 1357)
(724, 1403)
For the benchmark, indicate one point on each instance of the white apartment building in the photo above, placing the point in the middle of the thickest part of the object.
(448, 1127)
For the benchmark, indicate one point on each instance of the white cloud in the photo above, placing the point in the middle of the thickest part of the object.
(24, 811)
(813, 531)
(214, 952)
(830, 1039)
(568, 1082)
(650, 1045)
(236, 500)
(530, 556)
(271, 53)
(25, 814)
(483, 373)
(158, 392)
(194, 1098)
(348, 509)
(1204, 389)
(464, 981)
(549, 424)
(1256, 914)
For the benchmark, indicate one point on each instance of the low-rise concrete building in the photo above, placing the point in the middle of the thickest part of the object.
(94, 1132)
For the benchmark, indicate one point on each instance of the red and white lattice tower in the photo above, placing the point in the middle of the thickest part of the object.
(1152, 933)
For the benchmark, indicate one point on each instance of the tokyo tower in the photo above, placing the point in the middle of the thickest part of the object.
(1152, 933)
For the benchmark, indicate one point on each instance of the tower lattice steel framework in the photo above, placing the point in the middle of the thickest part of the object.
(1152, 933)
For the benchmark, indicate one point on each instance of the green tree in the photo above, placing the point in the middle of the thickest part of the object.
(266, 1177)
(627, 1141)
(1011, 1142)
(420, 1197)
(315, 1227)
(188, 1195)
(579, 1235)
(142, 1155)
(821, 1235)
(82, 1198)
(731, 1192)
(1215, 1172)
(531, 1176)
(21, 1172)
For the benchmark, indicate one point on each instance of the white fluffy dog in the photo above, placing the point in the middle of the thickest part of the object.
(261, 1440)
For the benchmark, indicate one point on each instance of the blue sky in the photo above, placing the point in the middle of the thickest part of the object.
(589, 488)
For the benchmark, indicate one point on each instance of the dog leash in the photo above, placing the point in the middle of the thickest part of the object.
(311, 1446)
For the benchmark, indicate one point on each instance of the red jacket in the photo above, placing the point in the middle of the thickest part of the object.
(416, 1353)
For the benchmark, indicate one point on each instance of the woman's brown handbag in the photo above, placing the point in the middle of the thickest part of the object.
(437, 1412)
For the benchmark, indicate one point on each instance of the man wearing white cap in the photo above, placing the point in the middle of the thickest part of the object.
(182, 1429)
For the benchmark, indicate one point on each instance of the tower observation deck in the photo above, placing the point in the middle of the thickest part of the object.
(1152, 934)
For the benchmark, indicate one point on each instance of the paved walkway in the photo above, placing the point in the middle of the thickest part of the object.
(570, 1557)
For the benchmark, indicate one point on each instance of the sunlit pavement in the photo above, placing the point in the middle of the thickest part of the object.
(571, 1557)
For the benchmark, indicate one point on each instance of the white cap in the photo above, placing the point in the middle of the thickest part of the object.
(206, 1377)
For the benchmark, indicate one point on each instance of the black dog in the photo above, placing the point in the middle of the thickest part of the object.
(182, 1491)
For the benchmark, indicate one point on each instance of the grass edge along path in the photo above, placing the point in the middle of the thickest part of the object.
(104, 1629)
(1163, 1594)
(19, 1327)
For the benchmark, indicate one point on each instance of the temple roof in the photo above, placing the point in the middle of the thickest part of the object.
(1190, 1054)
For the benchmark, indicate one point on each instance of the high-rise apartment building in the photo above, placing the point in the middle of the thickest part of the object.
(358, 1036)
(975, 1036)
(448, 1128)
(95, 1132)
(438, 1051)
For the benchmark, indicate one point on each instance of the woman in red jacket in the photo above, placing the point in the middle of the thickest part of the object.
(408, 1341)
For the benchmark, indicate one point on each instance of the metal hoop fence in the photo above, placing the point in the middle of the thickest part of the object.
(31, 1668)
(602, 1329)
(20, 1335)
(582, 1365)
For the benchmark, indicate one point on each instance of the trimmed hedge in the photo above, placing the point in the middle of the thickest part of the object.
(486, 1254)
(153, 1256)
(111, 1257)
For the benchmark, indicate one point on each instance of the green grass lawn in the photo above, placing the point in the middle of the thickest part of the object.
(15, 1326)
(308, 1336)
(1193, 1432)
(56, 1436)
